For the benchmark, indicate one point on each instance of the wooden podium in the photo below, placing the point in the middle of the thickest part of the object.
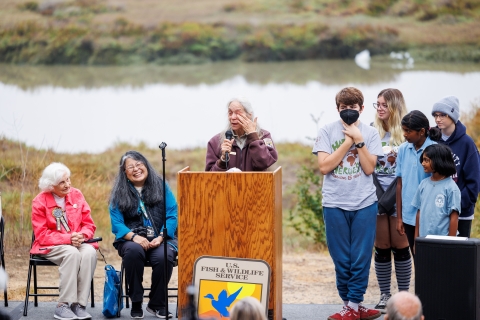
(232, 215)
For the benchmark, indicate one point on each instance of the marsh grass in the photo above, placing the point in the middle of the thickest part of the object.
(189, 32)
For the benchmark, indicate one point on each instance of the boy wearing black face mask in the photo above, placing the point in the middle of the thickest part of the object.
(347, 152)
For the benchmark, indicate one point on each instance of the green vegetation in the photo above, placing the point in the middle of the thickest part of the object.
(105, 32)
(306, 217)
(191, 42)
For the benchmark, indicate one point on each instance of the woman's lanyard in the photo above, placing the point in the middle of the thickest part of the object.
(144, 211)
(148, 222)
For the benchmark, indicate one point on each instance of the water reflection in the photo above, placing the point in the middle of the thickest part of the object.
(185, 105)
(330, 72)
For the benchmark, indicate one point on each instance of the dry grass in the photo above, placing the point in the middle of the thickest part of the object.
(452, 23)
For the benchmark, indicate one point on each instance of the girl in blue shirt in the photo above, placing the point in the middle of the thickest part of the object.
(437, 197)
(418, 136)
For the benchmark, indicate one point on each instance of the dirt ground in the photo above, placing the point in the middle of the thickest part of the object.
(308, 277)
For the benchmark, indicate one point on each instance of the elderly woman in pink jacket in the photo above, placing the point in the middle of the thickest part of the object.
(248, 147)
(62, 223)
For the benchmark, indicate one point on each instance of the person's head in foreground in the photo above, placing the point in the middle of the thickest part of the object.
(404, 306)
(248, 309)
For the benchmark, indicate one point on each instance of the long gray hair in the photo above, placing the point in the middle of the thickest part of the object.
(123, 195)
(247, 106)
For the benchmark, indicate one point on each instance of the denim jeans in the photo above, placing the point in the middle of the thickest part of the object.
(350, 238)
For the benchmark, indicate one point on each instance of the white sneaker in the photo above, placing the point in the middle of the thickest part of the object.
(80, 311)
(63, 312)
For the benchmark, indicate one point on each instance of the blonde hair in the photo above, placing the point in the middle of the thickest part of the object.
(397, 108)
(248, 309)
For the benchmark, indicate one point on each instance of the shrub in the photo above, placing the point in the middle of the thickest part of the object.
(29, 6)
(378, 7)
(307, 215)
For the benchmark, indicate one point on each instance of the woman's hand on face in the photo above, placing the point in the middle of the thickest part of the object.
(226, 147)
(142, 241)
(156, 242)
(248, 125)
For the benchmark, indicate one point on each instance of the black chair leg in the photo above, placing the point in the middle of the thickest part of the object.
(4, 291)
(27, 293)
(35, 286)
(92, 294)
(127, 296)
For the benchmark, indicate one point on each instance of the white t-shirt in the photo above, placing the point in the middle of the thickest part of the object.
(347, 187)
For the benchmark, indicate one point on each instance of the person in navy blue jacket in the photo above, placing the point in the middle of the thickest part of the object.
(465, 154)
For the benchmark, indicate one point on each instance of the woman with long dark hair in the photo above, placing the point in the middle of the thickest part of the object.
(136, 212)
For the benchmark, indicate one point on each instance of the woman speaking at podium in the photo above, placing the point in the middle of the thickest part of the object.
(242, 144)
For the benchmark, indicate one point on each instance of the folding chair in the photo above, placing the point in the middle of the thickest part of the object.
(38, 260)
(2, 253)
(124, 287)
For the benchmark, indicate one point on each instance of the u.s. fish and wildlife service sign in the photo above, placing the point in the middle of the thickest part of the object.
(221, 282)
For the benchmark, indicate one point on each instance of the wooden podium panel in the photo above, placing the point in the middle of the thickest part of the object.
(235, 215)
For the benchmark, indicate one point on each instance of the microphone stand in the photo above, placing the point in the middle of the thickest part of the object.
(162, 146)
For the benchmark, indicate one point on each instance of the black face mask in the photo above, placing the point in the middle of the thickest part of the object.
(349, 116)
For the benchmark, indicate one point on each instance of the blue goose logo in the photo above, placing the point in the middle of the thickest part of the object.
(223, 302)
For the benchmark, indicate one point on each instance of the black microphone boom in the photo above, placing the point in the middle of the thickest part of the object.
(229, 136)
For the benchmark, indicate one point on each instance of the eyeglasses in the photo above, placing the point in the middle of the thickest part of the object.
(379, 106)
(137, 165)
(439, 115)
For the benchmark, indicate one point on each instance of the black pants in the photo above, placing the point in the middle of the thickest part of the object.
(134, 258)
(410, 232)
(464, 228)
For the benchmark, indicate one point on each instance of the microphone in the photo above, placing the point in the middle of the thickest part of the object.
(229, 136)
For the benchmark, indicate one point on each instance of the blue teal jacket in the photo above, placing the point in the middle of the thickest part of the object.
(119, 229)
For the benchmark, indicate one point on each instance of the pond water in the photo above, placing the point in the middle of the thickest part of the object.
(89, 109)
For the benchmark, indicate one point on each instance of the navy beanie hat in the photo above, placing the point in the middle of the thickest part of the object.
(448, 105)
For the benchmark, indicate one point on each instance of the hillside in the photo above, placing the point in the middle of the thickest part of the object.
(172, 32)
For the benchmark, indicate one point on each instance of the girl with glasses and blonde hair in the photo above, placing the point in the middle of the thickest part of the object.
(391, 109)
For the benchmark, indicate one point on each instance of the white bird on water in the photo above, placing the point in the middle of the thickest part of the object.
(362, 59)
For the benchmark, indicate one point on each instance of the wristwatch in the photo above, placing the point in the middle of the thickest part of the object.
(359, 145)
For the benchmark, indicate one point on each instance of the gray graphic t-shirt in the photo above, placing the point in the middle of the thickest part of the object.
(387, 164)
(347, 187)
